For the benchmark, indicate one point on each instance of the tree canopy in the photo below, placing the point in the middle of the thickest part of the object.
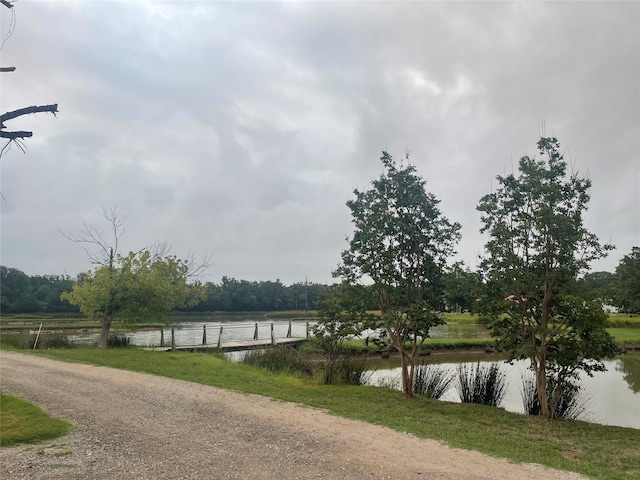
(537, 249)
(400, 244)
(134, 288)
(627, 282)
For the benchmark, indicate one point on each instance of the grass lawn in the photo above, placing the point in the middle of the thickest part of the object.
(630, 335)
(596, 450)
(23, 422)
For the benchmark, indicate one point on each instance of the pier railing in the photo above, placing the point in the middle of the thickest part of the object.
(234, 336)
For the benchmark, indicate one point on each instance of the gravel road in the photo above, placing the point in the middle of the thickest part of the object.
(138, 426)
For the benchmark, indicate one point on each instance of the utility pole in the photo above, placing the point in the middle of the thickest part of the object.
(306, 299)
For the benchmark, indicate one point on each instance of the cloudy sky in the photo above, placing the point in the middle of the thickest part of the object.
(241, 129)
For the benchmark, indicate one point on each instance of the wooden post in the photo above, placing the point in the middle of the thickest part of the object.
(173, 339)
(220, 337)
(204, 334)
(273, 336)
(255, 332)
(307, 330)
(161, 336)
(35, 344)
(289, 331)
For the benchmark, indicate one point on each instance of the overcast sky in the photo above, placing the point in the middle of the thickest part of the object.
(241, 129)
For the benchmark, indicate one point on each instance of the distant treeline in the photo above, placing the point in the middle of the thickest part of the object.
(21, 293)
(233, 295)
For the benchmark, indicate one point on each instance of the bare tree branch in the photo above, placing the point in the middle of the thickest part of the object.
(6, 3)
(105, 247)
(27, 110)
(198, 266)
(7, 69)
(15, 135)
(18, 113)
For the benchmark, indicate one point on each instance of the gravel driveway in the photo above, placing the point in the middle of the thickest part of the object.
(138, 426)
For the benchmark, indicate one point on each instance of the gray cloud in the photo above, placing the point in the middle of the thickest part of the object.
(242, 128)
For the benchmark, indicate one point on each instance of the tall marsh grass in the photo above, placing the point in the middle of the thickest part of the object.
(432, 381)
(572, 405)
(483, 383)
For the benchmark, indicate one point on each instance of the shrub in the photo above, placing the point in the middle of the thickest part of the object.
(46, 341)
(118, 341)
(280, 359)
(485, 384)
(351, 370)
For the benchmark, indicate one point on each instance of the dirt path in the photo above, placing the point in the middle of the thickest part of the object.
(132, 425)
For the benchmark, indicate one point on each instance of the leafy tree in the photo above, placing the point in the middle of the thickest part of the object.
(134, 288)
(20, 293)
(400, 244)
(461, 287)
(599, 285)
(341, 317)
(537, 248)
(627, 283)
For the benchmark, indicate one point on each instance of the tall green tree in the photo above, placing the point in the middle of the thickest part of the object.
(341, 317)
(400, 245)
(627, 282)
(461, 288)
(134, 288)
(537, 249)
(599, 285)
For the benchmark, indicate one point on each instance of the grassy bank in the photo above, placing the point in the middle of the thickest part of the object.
(595, 450)
(23, 422)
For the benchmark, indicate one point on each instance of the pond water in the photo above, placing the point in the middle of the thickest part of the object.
(612, 397)
(189, 331)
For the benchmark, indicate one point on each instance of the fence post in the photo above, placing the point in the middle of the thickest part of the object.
(35, 344)
(255, 332)
(289, 331)
(307, 330)
(220, 337)
(161, 336)
(204, 334)
(173, 339)
(273, 336)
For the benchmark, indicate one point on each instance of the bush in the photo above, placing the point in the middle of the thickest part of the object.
(25, 341)
(432, 381)
(118, 341)
(280, 359)
(351, 370)
(485, 384)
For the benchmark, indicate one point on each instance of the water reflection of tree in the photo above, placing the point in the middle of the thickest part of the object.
(629, 365)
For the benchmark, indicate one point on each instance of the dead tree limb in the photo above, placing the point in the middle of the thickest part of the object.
(6, 3)
(7, 69)
(18, 113)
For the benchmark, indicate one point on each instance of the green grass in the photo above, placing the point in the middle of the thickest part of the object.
(596, 450)
(23, 422)
(624, 320)
(626, 335)
(461, 318)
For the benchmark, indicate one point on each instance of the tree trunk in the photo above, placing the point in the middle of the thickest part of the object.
(407, 383)
(406, 364)
(104, 332)
(541, 388)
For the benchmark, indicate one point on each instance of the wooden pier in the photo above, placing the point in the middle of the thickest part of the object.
(236, 346)
(232, 345)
